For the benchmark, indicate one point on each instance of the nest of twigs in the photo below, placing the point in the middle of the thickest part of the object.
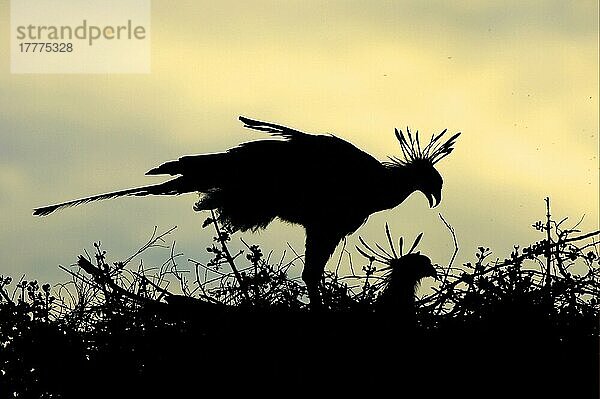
(530, 320)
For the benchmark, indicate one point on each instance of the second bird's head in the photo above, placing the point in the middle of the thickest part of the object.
(420, 162)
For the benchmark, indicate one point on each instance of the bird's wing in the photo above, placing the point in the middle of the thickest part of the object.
(313, 142)
(298, 154)
(276, 130)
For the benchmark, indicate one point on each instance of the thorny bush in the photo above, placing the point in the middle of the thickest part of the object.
(140, 314)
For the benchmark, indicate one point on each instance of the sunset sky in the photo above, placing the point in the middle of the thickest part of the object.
(519, 79)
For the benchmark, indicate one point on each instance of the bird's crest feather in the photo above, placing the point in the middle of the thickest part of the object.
(432, 152)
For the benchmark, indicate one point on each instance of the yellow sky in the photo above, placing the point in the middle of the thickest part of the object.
(518, 78)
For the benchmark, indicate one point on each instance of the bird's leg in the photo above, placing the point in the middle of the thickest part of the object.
(319, 247)
(314, 294)
(312, 275)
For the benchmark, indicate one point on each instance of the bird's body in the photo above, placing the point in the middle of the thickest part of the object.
(321, 182)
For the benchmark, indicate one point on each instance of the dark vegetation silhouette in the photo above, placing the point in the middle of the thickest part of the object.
(304, 179)
(239, 324)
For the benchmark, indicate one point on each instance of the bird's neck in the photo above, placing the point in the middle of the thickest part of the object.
(400, 297)
(395, 186)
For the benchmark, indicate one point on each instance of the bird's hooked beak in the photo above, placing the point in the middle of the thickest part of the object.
(434, 199)
(428, 270)
(432, 272)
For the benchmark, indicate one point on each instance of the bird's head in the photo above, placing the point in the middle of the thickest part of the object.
(420, 162)
(413, 267)
(402, 268)
(427, 180)
(403, 274)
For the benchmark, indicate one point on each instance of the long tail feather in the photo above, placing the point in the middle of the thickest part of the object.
(168, 188)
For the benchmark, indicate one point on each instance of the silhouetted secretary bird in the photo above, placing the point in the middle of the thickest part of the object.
(320, 182)
(405, 273)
